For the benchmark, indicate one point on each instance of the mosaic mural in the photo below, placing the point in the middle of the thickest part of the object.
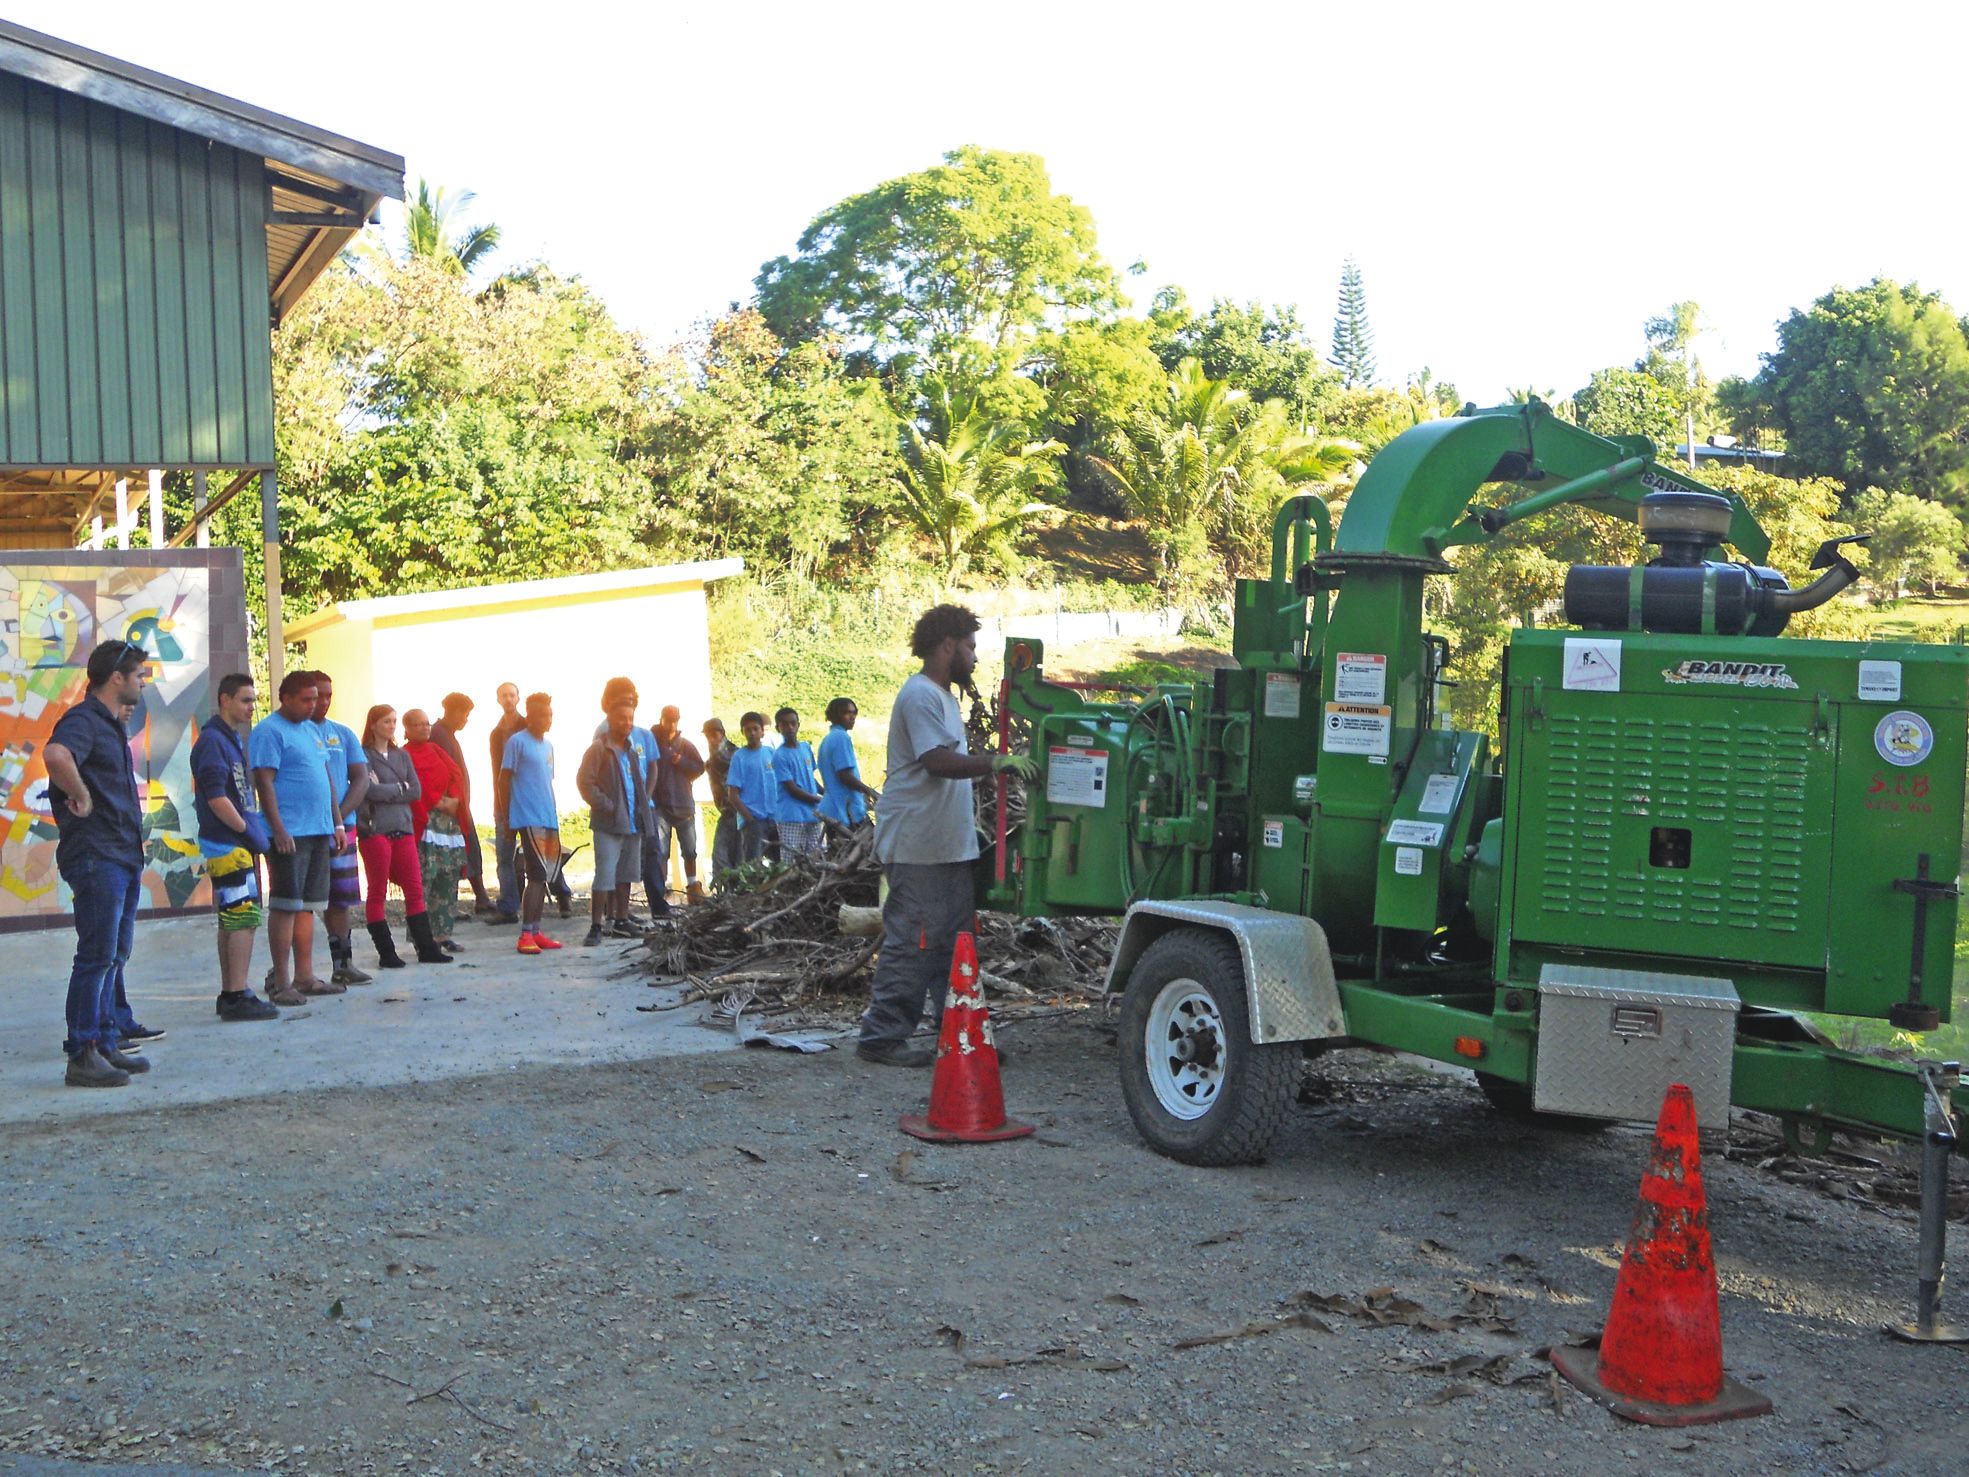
(51, 616)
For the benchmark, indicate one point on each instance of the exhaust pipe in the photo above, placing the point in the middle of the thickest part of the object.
(1839, 575)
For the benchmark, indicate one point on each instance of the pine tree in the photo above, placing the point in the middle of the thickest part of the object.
(1353, 340)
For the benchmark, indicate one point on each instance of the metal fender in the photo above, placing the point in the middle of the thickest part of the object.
(1288, 969)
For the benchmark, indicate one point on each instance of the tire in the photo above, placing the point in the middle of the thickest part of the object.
(1513, 1100)
(1225, 1099)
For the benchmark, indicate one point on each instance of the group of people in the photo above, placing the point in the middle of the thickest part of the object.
(339, 818)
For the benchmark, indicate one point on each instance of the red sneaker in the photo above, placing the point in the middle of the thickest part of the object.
(530, 943)
(546, 943)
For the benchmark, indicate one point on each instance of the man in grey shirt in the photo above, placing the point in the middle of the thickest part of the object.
(926, 838)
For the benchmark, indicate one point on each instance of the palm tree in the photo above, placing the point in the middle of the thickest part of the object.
(429, 221)
(1206, 467)
(973, 484)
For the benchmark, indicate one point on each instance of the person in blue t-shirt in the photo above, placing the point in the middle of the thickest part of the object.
(232, 838)
(525, 800)
(847, 799)
(750, 784)
(348, 777)
(297, 799)
(797, 794)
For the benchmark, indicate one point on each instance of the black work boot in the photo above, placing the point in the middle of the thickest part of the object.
(895, 1054)
(86, 1068)
(123, 1063)
(386, 945)
(343, 954)
(418, 926)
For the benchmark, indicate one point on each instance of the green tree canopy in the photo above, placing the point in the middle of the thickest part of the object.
(952, 265)
(1263, 351)
(1912, 539)
(1630, 402)
(1870, 386)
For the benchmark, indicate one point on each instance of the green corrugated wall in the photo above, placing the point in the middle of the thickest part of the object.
(133, 291)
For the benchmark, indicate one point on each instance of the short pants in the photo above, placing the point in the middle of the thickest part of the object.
(618, 860)
(235, 889)
(298, 881)
(344, 878)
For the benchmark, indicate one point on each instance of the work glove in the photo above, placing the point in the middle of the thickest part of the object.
(1017, 764)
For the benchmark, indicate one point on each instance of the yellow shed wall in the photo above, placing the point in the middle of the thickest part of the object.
(658, 638)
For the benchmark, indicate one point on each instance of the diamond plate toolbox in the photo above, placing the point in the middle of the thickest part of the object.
(1612, 1041)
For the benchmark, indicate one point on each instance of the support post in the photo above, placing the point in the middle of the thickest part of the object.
(270, 547)
(96, 532)
(201, 533)
(156, 508)
(122, 512)
(1938, 1081)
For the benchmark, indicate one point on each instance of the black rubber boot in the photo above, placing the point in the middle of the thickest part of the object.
(386, 946)
(418, 925)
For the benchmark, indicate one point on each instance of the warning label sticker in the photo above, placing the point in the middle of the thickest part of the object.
(1415, 833)
(1592, 666)
(1351, 729)
(1076, 776)
(1408, 861)
(1438, 794)
(1281, 694)
(1360, 678)
(1880, 682)
(1275, 835)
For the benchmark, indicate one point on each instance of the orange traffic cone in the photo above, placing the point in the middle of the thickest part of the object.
(1660, 1359)
(967, 1105)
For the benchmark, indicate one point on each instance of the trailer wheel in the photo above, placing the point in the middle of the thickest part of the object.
(1513, 1100)
(1198, 1088)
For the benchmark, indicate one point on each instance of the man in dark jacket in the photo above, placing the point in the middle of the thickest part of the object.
(92, 792)
(611, 781)
(678, 764)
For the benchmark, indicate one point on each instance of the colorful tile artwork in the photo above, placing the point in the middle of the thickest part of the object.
(51, 617)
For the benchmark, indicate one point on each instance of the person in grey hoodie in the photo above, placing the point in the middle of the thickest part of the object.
(611, 781)
(386, 835)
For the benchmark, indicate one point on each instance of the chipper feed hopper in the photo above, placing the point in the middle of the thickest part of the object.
(1691, 831)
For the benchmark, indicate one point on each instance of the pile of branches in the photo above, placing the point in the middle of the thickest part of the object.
(773, 934)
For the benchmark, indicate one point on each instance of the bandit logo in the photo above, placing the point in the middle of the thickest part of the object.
(1731, 674)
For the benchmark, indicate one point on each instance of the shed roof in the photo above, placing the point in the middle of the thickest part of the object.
(324, 186)
(482, 598)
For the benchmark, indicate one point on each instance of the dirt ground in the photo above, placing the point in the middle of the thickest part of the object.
(735, 1263)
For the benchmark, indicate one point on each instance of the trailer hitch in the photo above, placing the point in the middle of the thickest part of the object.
(1911, 1014)
(1938, 1082)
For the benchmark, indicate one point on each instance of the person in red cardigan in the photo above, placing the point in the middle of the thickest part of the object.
(441, 839)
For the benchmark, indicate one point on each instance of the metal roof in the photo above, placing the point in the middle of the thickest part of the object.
(324, 186)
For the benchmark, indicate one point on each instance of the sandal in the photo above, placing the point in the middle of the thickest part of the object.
(320, 987)
(285, 995)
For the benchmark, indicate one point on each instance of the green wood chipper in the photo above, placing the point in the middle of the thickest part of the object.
(1690, 832)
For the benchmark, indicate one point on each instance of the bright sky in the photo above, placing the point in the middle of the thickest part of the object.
(1522, 185)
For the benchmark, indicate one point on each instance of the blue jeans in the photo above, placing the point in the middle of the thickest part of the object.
(107, 896)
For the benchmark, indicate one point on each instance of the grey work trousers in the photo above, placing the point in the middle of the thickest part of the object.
(929, 905)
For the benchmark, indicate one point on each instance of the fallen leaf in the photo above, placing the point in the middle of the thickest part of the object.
(1451, 1392)
(1124, 1299)
(335, 1309)
(753, 1154)
(1222, 1237)
(1256, 1329)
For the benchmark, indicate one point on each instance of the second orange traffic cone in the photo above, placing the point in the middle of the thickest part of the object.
(1660, 1359)
(967, 1103)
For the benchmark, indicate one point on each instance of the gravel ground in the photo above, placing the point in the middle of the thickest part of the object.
(736, 1263)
